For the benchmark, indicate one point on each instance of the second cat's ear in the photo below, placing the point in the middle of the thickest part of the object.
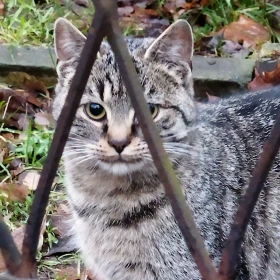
(175, 43)
(68, 40)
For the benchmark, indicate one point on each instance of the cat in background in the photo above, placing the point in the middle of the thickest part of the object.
(122, 221)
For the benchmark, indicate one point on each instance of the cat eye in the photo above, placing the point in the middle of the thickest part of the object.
(95, 111)
(153, 109)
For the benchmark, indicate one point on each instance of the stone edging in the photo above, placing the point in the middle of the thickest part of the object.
(210, 74)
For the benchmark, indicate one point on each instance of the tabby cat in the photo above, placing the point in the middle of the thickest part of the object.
(122, 220)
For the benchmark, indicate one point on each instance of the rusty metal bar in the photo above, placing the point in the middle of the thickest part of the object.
(244, 212)
(166, 173)
(97, 31)
(9, 249)
(106, 23)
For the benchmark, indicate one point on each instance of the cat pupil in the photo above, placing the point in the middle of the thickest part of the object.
(96, 109)
(152, 108)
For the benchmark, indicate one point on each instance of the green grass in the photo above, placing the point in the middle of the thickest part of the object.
(220, 13)
(25, 22)
(32, 150)
(35, 149)
(18, 212)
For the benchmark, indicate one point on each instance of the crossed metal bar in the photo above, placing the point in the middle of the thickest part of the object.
(105, 24)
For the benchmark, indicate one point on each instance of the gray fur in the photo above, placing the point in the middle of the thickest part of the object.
(123, 222)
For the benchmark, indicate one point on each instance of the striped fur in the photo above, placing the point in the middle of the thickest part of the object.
(122, 221)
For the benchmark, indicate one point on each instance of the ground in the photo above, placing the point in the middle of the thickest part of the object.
(221, 28)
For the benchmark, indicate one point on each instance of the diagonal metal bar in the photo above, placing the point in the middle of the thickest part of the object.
(244, 212)
(166, 173)
(28, 268)
(9, 249)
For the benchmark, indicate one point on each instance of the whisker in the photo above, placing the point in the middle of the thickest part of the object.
(77, 158)
(84, 159)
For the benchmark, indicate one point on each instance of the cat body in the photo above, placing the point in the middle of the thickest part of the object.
(122, 220)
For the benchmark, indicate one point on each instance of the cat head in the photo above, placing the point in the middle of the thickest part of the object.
(105, 134)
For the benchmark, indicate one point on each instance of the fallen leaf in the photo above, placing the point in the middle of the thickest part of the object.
(44, 119)
(180, 3)
(13, 191)
(2, 8)
(8, 136)
(23, 122)
(16, 167)
(247, 30)
(84, 3)
(70, 272)
(267, 74)
(4, 149)
(125, 11)
(272, 77)
(29, 96)
(60, 220)
(16, 101)
(30, 179)
(20, 104)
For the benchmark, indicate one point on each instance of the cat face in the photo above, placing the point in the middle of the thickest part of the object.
(105, 133)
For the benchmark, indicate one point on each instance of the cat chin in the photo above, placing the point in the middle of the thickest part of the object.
(121, 168)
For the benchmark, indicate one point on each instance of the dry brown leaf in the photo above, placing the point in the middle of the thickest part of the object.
(272, 77)
(247, 30)
(16, 167)
(29, 96)
(21, 105)
(23, 122)
(87, 275)
(60, 220)
(264, 78)
(44, 119)
(16, 101)
(70, 272)
(4, 149)
(125, 11)
(8, 136)
(258, 83)
(2, 8)
(14, 191)
(30, 179)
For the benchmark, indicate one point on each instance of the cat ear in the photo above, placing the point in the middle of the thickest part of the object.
(175, 43)
(67, 39)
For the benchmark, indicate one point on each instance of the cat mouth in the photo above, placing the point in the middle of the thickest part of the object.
(120, 165)
(121, 159)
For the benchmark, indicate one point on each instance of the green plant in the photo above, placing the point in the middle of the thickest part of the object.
(35, 147)
(26, 22)
(219, 13)
(16, 211)
(51, 264)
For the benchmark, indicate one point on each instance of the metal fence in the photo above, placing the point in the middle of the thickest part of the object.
(105, 24)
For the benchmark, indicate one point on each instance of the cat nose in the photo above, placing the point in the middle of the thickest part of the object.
(119, 145)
